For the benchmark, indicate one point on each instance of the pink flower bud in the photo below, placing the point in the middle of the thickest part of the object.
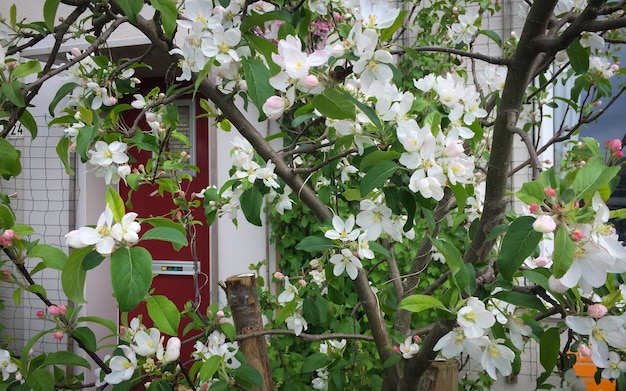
(396, 348)
(310, 82)
(614, 145)
(533, 208)
(279, 276)
(542, 261)
(417, 339)
(597, 310)
(62, 309)
(58, 335)
(556, 285)
(577, 235)
(302, 283)
(112, 100)
(53, 310)
(583, 350)
(41, 314)
(550, 192)
(618, 154)
(6, 274)
(220, 314)
(544, 224)
(274, 107)
(75, 52)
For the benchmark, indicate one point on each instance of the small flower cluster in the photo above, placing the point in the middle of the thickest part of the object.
(471, 337)
(107, 235)
(216, 345)
(111, 161)
(7, 237)
(330, 348)
(57, 314)
(144, 349)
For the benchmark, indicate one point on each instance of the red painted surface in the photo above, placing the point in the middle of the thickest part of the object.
(148, 203)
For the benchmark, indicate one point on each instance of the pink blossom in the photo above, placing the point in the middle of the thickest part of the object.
(533, 208)
(41, 314)
(274, 107)
(544, 224)
(550, 192)
(279, 275)
(583, 350)
(53, 310)
(6, 274)
(556, 285)
(302, 283)
(542, 261)
(597, 311)
(220, 314)
(577, 235)
(58, 335)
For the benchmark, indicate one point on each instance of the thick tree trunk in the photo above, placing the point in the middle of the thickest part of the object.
(244, 304)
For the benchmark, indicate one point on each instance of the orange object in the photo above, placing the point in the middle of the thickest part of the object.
(585, 369)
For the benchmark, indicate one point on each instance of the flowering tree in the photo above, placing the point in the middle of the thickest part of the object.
(396, 135)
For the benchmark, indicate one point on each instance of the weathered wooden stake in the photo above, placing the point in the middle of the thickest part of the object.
(440, 376)
(243, 301)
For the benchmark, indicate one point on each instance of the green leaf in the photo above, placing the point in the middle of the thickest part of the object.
(13, 92)
(259, 88)
(62, 92)
(518, 243)
(50, 12)
(164, 222)
(251, 201)
(40, 380)
(377, 175)
(168, 11)
(334, 104)
(87, 337)
(520, 300)
(164, 313)
(168, 234)
(92, 260)
(53, 257)
(209, 367)
(29, 123)
(17, 296)
(115, 203)
(63, 148)
(549, 346)
(73, 275)
(314, 361)
(65, 358)
(593, 176)
(247, 376)
(229, 330)
(159, 385)
(578, 57)
(563, 254)
(131, 276)
(9, 160)
(131, 8)
(454, 260)
(495, 37)
(7, 219)
(254, 19)
(109, 324)
(84, 140)
(376, 157)
(531, 193)
(387, 33)
(368, 111)
(285, 312)
(27, 68)
(419, 303)
(314, 244)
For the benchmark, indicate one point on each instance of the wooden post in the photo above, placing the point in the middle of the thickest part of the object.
(243, 301)
(440, 376)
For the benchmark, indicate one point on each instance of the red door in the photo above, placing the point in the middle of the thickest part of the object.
(174, 269)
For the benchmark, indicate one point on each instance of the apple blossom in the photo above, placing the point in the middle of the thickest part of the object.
(346, 261)
(122, 367)
(171, 351)
(605, 332)
(497, 357)
(408, 348)
(6, 365)
(474, 318)
(544, 224)
(614, 366)
(343, 230)
(289, 292)
(597, 310)
(274, 107)
(146, 344)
